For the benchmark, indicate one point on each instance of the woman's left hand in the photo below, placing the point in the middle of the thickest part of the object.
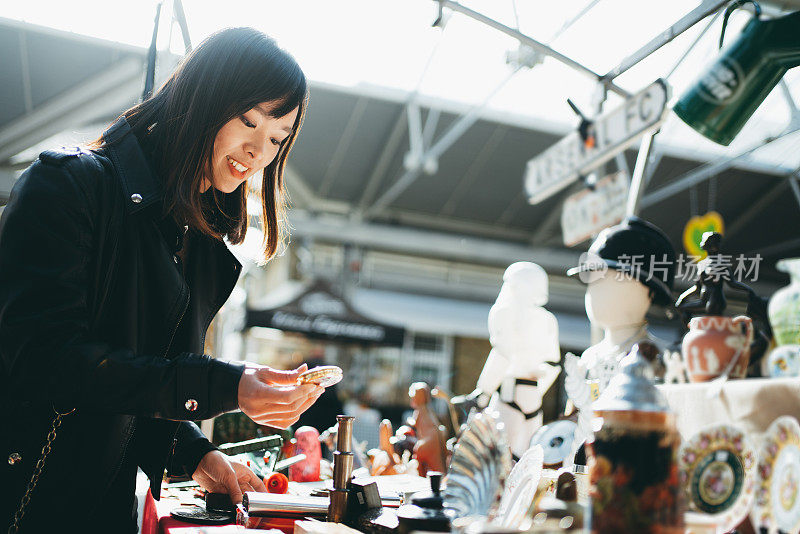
(216, 473)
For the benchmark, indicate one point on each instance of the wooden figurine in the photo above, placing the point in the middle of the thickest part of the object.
(385, 461)
(430, 449)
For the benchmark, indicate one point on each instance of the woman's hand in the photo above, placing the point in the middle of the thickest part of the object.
(271, 397)
(216, 473)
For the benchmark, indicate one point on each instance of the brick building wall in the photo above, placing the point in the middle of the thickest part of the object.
(469, 355)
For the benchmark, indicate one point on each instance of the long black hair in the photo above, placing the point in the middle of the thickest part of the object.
(227, 75)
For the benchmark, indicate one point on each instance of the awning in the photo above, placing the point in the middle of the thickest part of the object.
(439, 315)
(320, 313)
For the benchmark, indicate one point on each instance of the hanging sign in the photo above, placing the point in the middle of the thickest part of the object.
(322, 314)
(612, 132)
(696, 227)
(587, 212)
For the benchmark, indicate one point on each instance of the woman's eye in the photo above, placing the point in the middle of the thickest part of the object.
(247, 122)
(275, 141)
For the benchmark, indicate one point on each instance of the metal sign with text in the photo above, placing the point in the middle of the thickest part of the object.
(587, 212)
(614, 131)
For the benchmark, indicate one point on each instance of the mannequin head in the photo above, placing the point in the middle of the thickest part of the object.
(614, 301)
(633, 246)
(526, 283)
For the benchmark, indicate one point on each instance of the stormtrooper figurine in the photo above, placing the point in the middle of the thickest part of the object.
(524, 338)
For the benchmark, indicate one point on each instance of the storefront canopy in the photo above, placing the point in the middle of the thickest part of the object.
(320, 313)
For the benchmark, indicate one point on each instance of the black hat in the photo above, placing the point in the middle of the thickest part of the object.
(638, 248)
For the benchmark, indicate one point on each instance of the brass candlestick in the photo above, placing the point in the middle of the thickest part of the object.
(342, 469)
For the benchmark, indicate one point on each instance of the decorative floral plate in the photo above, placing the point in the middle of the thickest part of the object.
(777, 505)
(718, 474)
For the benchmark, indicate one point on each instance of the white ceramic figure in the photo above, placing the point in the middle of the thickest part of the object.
(580, 394)
(675, 372)
(524, 338)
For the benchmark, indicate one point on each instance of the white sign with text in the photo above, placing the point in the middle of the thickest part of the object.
(587, 212)
(614, 131)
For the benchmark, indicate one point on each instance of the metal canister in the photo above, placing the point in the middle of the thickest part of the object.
(342, 469)
(633, 468)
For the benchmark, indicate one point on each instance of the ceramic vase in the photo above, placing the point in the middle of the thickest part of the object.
(713, 342)
(784, 306)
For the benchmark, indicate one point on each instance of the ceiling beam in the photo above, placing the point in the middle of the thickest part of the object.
(534, 44)
(473, 170)
(638, 178)
(390, 147)
(455, 225)
(755, 209)
(302, 196)
(113, 89)
(8, 177)
(795, 188)
(517, 202)
(704, 172)
(456, 130)
(779, 248)
(548, 226)
(425, 242)
(538, 125)
(706, 8)
(692, 45)
(26, 71)
(343, 146)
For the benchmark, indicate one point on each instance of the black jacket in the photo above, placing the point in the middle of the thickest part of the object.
(99, 314)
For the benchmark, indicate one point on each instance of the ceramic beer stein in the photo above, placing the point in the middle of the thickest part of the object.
(633, 472)
(713, 343)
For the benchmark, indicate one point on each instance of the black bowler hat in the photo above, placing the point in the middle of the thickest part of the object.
(638, 248)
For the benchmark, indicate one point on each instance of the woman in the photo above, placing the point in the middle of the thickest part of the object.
(112, 265)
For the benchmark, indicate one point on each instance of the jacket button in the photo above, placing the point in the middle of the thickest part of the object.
(191, 405)
(175, 258)
(136, 198)
(14, 458)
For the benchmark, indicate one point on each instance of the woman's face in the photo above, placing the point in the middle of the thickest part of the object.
(245, 145)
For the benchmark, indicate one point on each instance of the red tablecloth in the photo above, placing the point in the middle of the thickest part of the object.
(156, 519)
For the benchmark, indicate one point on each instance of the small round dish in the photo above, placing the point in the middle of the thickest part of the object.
(718, 474)
(324, 375)
(777, 499)
(556, 441)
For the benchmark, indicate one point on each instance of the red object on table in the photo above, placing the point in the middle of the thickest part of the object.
(277, 483)
(156, 518)
(307, 442)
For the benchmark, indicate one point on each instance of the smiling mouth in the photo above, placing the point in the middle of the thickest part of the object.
(238, 168)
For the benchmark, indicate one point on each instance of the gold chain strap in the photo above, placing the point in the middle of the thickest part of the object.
(37, 472)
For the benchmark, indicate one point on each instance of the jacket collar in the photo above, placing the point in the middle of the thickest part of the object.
(141, 186)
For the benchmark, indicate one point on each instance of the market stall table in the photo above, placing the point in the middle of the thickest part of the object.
(752, 403)
(156, 518)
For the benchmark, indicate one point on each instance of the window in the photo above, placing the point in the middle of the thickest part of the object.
(428, 343)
